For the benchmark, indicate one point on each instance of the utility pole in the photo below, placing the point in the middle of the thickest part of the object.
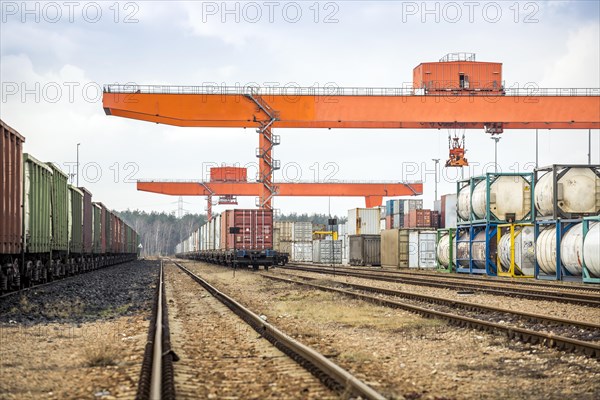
(496, 139)
(436, 161)
(78, 164)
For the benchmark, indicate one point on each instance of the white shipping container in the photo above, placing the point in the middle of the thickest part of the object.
(302, 251)
(421, 249)
(217, 224)
(363, 221)
(302, 232)
(285, 230)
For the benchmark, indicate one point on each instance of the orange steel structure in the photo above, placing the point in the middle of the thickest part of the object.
(464, 104)
(372, 192)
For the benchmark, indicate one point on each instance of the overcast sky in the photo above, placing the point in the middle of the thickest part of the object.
(56, 55)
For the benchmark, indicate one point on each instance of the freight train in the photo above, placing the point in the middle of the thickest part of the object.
(48, 228)
(236, 238)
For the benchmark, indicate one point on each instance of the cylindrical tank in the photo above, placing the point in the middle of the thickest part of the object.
(510, 197)
(524, 250)
(463, 252)
(443, 250)
(545, 250)
(591, 249)
(463, 206)
(478, 248)
(571, 249)
(577, 192)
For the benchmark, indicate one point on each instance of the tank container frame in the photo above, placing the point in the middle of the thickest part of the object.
(490, 262)
(554, 169)
(490, 178)
(514, 230)
(451, 232)
(560, 273)
(585, 273)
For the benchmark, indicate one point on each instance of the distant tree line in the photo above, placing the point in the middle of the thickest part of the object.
(161, 232)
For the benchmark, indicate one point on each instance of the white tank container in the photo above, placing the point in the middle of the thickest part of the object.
(443, 250)
(463, 205)
(524, 250)
(508, 195)
(462, 250)
(545, 250)
(572, 249)
(591, 249)
(578, 192)
(478, 248)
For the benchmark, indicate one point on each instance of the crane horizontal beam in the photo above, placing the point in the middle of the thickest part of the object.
(347, 111)
(372, 192)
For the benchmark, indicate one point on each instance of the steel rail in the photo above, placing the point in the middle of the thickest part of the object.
(524, 335)
(460, 304)
(335, 377)
(472, 278)
(156, 376)
(564, 297)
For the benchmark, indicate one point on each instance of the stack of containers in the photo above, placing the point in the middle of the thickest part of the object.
(487, 207)
(302, 242)
(364, 236)
(396, 209)
(567, 202)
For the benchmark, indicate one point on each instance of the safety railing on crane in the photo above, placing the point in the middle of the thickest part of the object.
(327, 181)
(332, 90)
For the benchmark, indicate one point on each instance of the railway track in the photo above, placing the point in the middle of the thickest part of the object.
(222, 357)
(483, 318)
(565, 296)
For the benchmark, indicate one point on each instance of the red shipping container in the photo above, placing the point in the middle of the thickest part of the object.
(87, 220)
(253, 229)
(418, 219)
(11, 191)
(228, 174)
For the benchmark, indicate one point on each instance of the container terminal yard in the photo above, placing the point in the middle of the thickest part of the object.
(421, 266)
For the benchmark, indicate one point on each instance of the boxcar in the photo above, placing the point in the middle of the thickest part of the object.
(11, 198)
(59, 223)
(76, 229)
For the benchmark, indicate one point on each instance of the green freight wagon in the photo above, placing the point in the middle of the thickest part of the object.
(37, 219)
(75, 227)
(60, 220)
(97, 228)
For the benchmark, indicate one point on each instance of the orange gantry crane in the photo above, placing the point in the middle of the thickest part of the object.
(455, 93)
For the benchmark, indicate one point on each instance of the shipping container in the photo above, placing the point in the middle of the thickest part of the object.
(37, 218)
(75, 220)
(302, 232)
(248, 229)
(394, 248)
(365, 249)
(421, 249)
(285, 230)
(418, 219)
(457, 73)
(11, 192)
(302, 252)
(327, 251)
(87, 220)
(364, 221)
(101, 245)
